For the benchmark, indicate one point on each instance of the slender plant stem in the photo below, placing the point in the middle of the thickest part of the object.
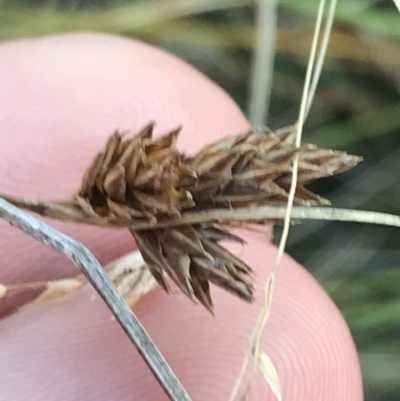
(307, 96)
(220, 215)
(278, 213)
(96, 275)
(263, 63)
(321, 55)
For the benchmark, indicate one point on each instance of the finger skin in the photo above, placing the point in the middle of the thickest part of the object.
(60, 98)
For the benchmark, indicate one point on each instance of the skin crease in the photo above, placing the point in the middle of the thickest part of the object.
(60, 97)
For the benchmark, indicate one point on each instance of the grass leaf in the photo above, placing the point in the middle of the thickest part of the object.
(270, 374)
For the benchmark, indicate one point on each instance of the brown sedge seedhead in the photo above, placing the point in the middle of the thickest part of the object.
(140, 182)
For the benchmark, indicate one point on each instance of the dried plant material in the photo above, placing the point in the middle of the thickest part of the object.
(130, 276)
(60, 290)
(135, 178)
(192, 257)
(3, 291)
(101, 282)
(15, 296)
(310, 84)
(270, 374)
(144, 184)
(120, 187)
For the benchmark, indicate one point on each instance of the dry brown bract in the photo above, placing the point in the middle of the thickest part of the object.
(141, 183)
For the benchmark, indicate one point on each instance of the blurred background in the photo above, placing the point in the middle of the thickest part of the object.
(356, 108)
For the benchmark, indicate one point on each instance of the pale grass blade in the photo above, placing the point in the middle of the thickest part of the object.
(129, 274)
(270, 374)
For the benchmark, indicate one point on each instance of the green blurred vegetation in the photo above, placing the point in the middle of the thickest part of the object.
(206, 23)
(357, 108)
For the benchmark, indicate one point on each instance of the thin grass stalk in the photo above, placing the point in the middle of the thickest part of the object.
(255, 343)
(321, 55)
(269, 288)
(99, 279)
(263, 63)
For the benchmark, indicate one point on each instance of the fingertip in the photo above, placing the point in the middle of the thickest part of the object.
(306, 338)
(57, 114)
